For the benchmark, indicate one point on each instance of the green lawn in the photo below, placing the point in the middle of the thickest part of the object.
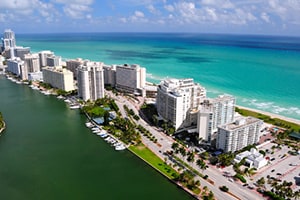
(154, 161)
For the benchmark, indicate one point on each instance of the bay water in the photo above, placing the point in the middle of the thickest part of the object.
(46, 152)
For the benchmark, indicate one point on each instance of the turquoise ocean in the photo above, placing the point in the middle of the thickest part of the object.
(262, 72)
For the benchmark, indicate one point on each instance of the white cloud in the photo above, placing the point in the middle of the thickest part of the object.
(265, 17)
(169, 8)
(152, 9)
(139, 14)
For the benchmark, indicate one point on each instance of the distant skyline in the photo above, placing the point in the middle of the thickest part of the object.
(267, 17)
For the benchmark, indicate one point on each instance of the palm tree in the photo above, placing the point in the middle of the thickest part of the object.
(201, 164)
(182, 151)
(261, 182)
(175, 146)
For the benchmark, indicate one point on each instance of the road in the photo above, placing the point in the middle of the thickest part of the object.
(164, 144)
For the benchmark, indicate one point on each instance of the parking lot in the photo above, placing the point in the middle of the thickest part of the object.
(281, 166)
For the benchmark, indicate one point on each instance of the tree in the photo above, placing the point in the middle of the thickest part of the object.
(182, 151)
(201, 164)
(175, 146)
(261, 182)
(191, 156)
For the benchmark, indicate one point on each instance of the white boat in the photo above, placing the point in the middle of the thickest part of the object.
(120, 147)
(60, 97)
(89, 124)
(75, 106)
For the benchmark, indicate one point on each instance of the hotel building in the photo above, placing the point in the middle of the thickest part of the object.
(43, 57)
(8, 40)
(32, 62)
(213, 113)
(90, 81)
(72, 65)
(16, 66)
(58, 77)
(131, 78)
(238, 134)
(53, 61)
(110, 75)
(178, 98)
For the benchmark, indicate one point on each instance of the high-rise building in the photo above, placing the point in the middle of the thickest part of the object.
(131, 78)
(14, 65)
(177, 98)
(72, 65)
(90, 81)
(59, 77)
(43, 57)
(32, 62)
(53, 61)
(110, 75)
(8, 40)
(236, 135)
(21, 51)
(213, 113)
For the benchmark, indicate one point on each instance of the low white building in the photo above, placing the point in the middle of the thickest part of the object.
(59, 78)
(253, 158)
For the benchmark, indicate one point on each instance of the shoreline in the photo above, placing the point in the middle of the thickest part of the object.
(272, 115)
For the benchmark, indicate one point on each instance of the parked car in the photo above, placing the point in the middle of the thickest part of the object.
(272, 170)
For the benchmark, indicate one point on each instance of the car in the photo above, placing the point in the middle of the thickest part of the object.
(272, 170)
(246, 184)
(250, 187)
(230, 179)
(272, 159)
(279, 174)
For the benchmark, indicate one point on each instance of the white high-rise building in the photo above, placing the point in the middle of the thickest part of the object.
(43, 57)
(16, 66)
(110, 75)
(72, 65)
(236, 135)
(213, 113)
(21, 51)
(90, 81)
(32, 62)
(131, 78)
(53, 61)
(8, 40)
(177, 98)
(59, 77)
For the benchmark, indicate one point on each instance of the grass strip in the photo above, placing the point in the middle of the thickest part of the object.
(146, 154)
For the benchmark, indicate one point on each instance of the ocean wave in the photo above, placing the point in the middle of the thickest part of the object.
(292, 111)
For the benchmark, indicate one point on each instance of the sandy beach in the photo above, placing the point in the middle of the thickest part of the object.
(296, 121)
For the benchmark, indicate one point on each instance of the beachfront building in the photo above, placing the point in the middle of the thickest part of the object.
(16, 66)
(73, 64)
(21, 52)
(213, 113)
(43, 57)
(110, 75)
(236, 135)
(53, 61)
(32, 62)
(90, 81)
(254, 159)
(35, 76)
(178, 98)
(131, 78)
(8, 40)
(58, 77)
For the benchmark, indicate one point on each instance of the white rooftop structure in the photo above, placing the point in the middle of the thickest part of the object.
(253, 158)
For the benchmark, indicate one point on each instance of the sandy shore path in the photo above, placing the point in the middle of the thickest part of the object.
(296, 121)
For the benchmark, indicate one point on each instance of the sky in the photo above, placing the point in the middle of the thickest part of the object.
(267, 17)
